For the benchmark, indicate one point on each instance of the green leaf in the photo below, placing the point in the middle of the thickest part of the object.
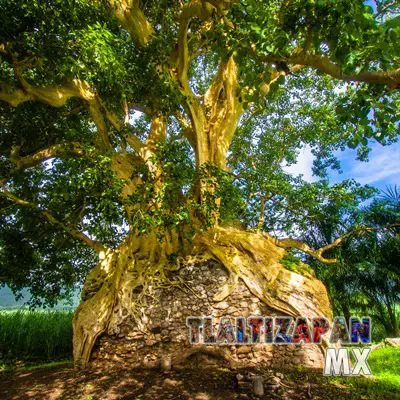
(254, 27)
(393, 23)
(367, 10)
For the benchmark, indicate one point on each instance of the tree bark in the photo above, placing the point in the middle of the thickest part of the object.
(346, 311)
(394, 328)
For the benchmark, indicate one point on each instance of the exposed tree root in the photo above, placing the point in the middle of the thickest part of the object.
(256, 260)
(139, 265)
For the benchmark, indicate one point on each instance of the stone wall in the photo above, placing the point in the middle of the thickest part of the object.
(160, 335)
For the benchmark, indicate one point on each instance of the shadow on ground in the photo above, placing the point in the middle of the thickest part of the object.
(63, 382)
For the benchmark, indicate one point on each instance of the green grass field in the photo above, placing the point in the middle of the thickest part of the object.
(384, 384)
(385, 367)
(35, 335)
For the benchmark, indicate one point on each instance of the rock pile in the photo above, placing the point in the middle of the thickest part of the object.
(159, 337)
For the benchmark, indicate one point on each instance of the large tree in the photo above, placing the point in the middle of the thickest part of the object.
(143, 131)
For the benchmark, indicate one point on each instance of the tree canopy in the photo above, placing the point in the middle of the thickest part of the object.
(124, 117)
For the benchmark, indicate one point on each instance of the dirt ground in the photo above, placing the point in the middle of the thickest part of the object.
(190, 384)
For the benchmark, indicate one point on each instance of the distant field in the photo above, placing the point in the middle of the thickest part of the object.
(8, 302)
(7, 299)
(35, 335)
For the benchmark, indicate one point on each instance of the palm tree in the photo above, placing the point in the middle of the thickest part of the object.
(379, 274)
(366, 277)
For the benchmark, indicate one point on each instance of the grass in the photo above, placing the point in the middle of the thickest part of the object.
(385, 367)
(35, 335)
(384, 363)
(8, 368)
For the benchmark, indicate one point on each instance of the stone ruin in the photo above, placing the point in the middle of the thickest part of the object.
(159, 337)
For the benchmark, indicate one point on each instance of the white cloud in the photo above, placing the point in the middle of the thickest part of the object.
(303, 166)
(133, 117)
(382, 169)
(383, 165)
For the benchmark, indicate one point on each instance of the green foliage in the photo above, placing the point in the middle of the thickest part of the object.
(294, 264)
(348, 32)
(385, 365)
(268, 139)
(53, 42)
(339, 28)
(291, 262)
(366, 279)
(35, 335)
(177, 173)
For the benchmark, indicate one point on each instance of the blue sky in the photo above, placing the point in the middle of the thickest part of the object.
(371, 3)
(382, 169)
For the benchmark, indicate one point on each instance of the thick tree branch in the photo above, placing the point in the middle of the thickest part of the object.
(131, 139)
(225, 105)
(183, 52)
(46, 214)
(187, 129)
(58, 150)
(297, 244)
(96, 113)
(356, 232)
(318, 254)
(133, 20)
(198, 136)
(57, 96)
(158, 132)
(195, 8)
(324, 64)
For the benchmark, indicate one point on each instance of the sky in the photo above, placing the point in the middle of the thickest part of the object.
(382, 169)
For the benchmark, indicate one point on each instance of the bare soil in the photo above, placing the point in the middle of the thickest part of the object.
(63, 382)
